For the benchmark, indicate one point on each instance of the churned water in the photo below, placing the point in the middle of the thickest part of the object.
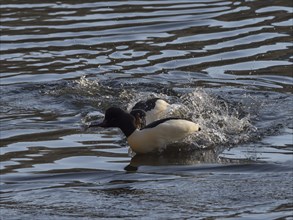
(226, 65)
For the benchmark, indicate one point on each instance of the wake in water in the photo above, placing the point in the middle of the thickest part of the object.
(227, 118)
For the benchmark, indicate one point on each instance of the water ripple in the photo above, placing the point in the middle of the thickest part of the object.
(227, 64)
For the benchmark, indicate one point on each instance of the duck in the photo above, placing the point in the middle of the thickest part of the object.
(149, 111)
(154, 136)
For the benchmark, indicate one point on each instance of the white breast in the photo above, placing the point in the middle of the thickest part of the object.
(156, 138)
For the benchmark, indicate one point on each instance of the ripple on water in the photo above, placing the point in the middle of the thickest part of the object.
(224, 64)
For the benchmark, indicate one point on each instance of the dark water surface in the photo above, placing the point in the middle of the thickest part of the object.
(226, 65)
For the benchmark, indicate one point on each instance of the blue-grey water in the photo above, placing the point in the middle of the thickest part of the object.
(226, 65)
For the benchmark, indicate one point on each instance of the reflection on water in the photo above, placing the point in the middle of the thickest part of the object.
(224, 64)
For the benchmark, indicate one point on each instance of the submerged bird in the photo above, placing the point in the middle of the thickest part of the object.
(153, 109)
(154, 136)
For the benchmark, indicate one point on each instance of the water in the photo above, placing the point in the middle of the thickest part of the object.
(226, 65)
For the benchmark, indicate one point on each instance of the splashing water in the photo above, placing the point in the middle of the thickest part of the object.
(90, 87)
(222, 123)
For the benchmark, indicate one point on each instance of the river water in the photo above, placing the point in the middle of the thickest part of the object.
(226, 65)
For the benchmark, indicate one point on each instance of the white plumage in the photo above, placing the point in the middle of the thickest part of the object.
(152, 139)
(160, 111)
